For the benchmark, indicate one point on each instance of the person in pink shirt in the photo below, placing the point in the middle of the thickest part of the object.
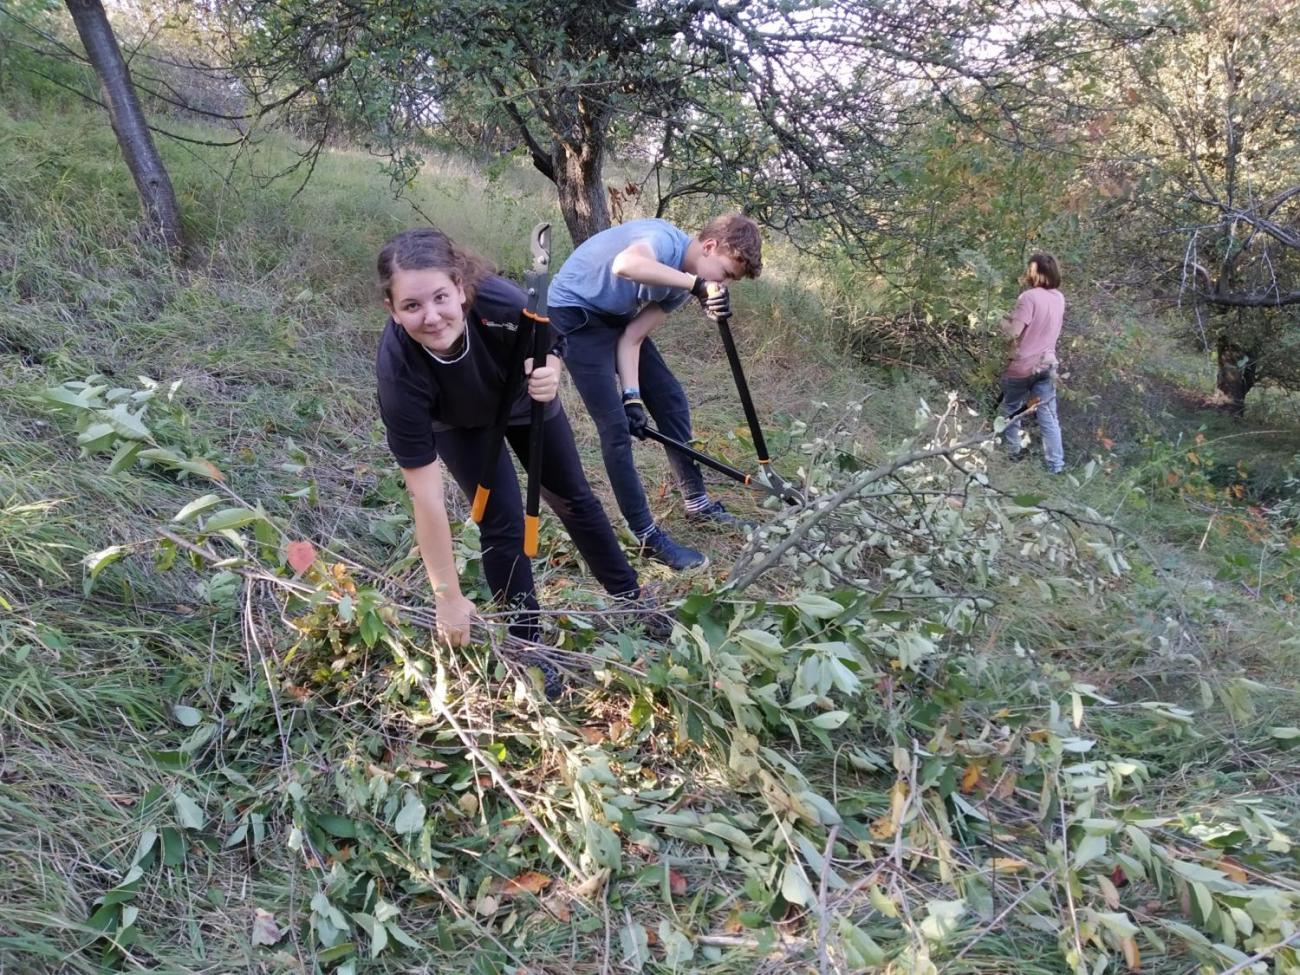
(1033, 326)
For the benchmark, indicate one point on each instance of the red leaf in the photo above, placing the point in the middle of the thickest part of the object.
(676, 883)
(301, 555)
(531, 882)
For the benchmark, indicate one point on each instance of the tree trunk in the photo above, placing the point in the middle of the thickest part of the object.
(151, 179)
(580, 184)
(1236, 374)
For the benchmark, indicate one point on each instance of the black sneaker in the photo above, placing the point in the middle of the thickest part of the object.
(660, 547)
(1018, 456)
(714, 513)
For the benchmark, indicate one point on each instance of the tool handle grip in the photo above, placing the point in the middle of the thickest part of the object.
(497, 433)
(532, 508)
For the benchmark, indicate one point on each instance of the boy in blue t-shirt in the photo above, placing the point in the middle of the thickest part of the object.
(611, 293)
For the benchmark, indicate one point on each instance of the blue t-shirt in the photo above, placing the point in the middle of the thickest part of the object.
(587, 280)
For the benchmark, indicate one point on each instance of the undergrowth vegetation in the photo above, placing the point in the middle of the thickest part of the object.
(949, 716)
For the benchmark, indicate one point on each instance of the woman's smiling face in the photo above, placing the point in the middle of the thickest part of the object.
(429, 305)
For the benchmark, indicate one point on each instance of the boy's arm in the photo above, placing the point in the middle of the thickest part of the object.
(433, 536)
(628, 353)
(637, 262)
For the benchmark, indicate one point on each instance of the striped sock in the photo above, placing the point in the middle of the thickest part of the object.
(697, 504)
(645, 533)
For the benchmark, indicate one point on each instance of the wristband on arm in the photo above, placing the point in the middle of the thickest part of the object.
(637, 419)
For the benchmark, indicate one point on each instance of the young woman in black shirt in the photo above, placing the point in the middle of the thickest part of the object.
(442, 369)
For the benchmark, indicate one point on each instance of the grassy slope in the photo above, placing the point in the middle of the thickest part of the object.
(271, 325)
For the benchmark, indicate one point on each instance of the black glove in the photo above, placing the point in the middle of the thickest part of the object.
(713, 298)
(717, 305)
(637, 419)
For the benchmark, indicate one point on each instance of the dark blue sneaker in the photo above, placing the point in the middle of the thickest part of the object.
(715, 514)
(660, 547)
(553, 683)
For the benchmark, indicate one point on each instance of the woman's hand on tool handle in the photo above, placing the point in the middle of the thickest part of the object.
(544, 383)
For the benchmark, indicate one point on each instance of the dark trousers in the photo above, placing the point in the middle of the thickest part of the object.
(591, 360)
(508, 571)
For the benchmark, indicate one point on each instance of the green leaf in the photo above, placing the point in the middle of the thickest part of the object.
(603, 846)
(62, 396)
(125, 456)
(173, 847)
(197, 507)
(228, 518)
(345, 829)
(818, 606)
(186, 715)
(199, 737)
(147, 840)
(636, 946)
(736, 837)
(882, 902)
(188, 813)
(761, 641)
(1117, 923)
(238, 836)
(126, 423)
(795, 887)
(400, 936)
(411, 817)
(97, 562)
(1196, 873)
(677, 948)
(161, 455)
(843, 678)
(1092, 846)
(337, 953)
(942, 919)
(827, 815)
(859, 950)
(377, 932)
(830, 720)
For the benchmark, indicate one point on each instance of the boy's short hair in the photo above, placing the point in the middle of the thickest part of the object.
(737, 238)
(1049, 271)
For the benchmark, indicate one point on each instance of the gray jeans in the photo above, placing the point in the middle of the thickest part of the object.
(1018, 391)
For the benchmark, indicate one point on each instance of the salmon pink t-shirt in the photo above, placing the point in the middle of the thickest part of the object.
(1035, 324)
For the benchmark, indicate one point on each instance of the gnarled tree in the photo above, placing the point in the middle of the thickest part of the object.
(794, 105)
